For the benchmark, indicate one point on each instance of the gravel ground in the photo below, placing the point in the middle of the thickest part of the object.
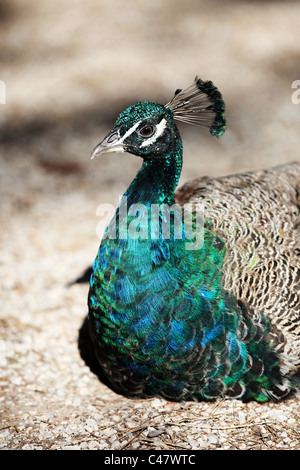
(69, 68)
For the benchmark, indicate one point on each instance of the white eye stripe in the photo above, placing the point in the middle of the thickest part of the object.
(128, 133)
(159, 131)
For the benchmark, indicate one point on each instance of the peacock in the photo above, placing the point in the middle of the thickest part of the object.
(195, 293)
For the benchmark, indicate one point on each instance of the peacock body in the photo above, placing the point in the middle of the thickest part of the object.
(188, 321)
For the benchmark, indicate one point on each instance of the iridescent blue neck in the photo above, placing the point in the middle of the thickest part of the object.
(158, 178)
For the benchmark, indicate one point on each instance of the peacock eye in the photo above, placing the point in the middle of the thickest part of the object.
(147, 131)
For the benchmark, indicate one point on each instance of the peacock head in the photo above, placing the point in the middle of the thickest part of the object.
(148, 129)
(144, 129)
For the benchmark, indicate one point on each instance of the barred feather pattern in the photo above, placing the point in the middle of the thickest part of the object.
(258, 216)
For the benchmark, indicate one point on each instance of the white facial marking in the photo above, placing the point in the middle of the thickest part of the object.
(159, 130)
(128, 133)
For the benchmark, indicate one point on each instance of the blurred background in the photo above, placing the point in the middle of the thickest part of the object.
(69, 68)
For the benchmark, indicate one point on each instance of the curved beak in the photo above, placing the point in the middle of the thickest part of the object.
(113, 142)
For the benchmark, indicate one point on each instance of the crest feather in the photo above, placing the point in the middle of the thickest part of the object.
(201, 105)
